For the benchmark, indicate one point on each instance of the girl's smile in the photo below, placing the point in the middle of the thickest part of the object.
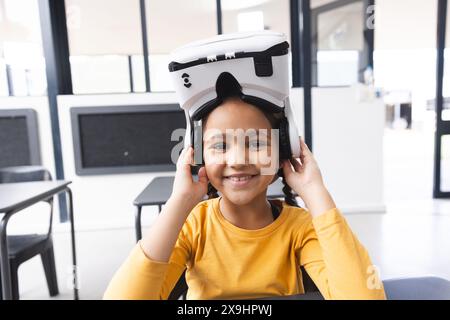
(242, 180)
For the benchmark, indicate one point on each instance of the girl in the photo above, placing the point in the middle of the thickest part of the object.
(240, 245)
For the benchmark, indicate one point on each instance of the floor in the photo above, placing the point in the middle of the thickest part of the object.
(412, 238)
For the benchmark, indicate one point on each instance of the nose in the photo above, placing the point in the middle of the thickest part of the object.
(237, 155)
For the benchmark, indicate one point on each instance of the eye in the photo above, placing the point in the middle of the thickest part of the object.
(257, 144)
(219, 146)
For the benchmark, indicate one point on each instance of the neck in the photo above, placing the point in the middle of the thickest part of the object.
(253, 215)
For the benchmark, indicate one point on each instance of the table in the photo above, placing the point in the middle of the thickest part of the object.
(18, 196)
(159, 190)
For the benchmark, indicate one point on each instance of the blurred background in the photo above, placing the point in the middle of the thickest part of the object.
(85, 94)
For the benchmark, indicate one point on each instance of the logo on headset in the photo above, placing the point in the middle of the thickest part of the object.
(186, 81)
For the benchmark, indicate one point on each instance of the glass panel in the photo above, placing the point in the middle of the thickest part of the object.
(317, 3)
(445, 163)
(405, 75)
(103, 34)
(257, 15)
(445, 140)
(399, 46)
(22, 64)
(169, 28)
(446, 85)
(340, 44)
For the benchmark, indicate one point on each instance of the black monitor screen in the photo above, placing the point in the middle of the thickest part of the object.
(14, 149)
(19, 139)
(133, 141)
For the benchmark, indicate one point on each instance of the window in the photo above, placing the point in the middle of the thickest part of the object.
(399, 47)
(445, 163)
(105, 44)
(257, 15)
(22, 64)
(446, 84)
(405, 74)
(169, 28)
(339, 44)
(445, 139)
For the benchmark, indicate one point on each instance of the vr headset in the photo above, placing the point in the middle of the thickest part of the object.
(256, 61)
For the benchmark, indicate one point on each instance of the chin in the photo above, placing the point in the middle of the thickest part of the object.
(239, 197)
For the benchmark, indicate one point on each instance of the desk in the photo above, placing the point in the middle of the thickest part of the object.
(18, 196)
(159, 190)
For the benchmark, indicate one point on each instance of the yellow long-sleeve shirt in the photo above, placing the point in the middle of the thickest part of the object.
(224, 261)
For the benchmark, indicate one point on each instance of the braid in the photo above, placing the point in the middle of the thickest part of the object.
(212, 192)
(289, 197)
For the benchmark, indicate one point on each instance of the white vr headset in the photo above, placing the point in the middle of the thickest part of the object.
(257, 61)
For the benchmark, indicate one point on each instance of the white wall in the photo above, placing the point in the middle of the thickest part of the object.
(348, 145)
(348, 129)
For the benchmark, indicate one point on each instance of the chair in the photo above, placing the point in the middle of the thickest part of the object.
(417, 288)
(24, 247)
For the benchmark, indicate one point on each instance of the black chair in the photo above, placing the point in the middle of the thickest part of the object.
(417, 288)
(24, 247)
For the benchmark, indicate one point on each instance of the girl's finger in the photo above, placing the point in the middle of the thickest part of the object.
(189, 157)
(304, 146)
(202, 176)
(184, 159)
(296, 164)
(288, 171)
(303, 159)
(181, 157)
(305, 153)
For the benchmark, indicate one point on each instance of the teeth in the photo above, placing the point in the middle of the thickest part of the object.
(239, 178)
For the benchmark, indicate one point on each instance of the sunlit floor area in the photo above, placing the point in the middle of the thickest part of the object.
(410, 239)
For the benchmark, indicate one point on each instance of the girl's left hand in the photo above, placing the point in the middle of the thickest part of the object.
(304, 177)
(303, 174)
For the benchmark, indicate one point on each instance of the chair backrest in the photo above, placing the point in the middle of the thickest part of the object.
(28, 174)
(24, 174)
(308, 283)
(417, 288)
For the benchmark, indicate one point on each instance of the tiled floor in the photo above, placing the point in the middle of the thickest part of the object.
(412, 238)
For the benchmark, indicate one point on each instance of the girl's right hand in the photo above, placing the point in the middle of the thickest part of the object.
(184, 186)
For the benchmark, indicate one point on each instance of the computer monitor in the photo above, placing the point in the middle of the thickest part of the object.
(19, 138)
(124, 139)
